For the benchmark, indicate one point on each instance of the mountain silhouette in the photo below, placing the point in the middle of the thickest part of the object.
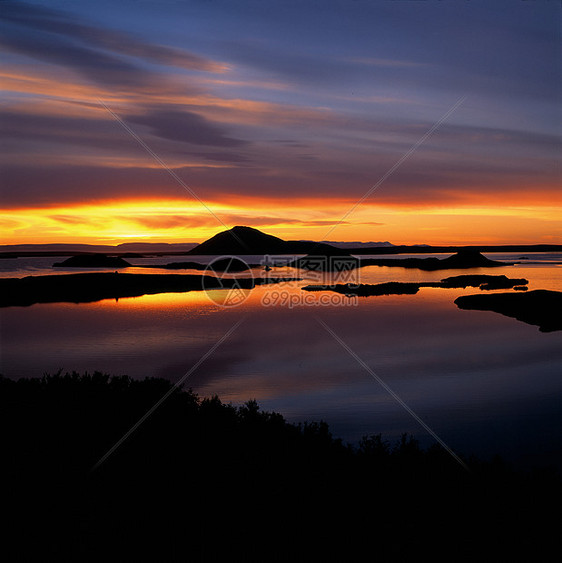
(246, 240)
(469, 258)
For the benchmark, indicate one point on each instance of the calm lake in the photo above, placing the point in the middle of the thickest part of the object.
(484, 383)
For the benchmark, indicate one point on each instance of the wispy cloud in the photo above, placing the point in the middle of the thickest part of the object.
(183, 126)
(101, 55)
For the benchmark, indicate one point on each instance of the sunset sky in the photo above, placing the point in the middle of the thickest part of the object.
(169, 121)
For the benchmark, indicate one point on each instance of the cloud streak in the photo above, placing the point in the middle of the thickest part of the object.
(183, 126)
(59, 38)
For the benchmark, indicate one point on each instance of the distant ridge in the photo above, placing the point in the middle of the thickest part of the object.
(256, 242)
(13, 250)
(357, 244)
(246, 240)
(429, 249)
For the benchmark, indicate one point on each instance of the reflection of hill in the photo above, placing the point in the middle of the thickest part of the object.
(539, 307)
(203, 481)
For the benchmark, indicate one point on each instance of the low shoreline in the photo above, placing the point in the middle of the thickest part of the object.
(483, 281)
(90, 287)
(540, 307)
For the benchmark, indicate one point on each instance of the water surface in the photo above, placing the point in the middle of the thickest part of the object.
(483, 382)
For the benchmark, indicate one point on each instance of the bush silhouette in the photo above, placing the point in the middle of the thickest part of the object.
(201, 480)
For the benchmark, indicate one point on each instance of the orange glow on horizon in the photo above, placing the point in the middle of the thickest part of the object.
(177, 221)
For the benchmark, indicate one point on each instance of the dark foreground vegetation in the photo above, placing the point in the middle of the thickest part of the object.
(203, 481)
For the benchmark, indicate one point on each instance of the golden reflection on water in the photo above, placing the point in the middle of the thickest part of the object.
(290, 294)
(159, 300)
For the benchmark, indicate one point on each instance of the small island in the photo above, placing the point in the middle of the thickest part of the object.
(93, 260)
(227, 265)
(365, 290)
(465, 258)
(89, 287)
(540, 307)
(339, 260)
(484, 282)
